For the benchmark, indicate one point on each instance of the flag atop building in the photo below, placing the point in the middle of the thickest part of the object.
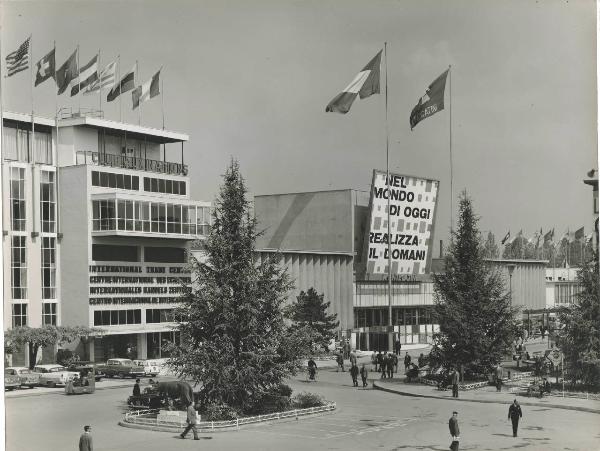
(365, 84)
(506, 237)
(18, 60)
(127, 83)
(579, 234)
(549, 236)
(87, 75)
(45, 67)
(107, 78)
(431, 103)
(147, 91)
(67, 73)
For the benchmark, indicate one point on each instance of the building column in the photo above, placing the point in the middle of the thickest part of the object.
(90, 345)
(142, 346)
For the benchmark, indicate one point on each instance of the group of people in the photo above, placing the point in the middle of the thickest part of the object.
(514, 415)
(385, 364)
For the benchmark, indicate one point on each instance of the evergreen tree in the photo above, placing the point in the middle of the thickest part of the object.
(490, 248)
(310, 310)
(233, 334)
(579, 339)
(472, 305)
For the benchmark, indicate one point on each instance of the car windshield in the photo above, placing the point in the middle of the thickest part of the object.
(7, 373)
(25, 371)
(56, 369)
(125, 362)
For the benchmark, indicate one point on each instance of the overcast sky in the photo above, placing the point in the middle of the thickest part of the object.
(251, 79)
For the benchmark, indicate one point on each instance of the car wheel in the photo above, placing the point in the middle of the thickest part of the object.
(51, 384)
(31, 386)
(121, 375)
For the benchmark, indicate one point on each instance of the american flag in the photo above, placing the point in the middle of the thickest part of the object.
(18, 60)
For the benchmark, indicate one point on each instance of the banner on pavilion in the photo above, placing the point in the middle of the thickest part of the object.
(412, 207)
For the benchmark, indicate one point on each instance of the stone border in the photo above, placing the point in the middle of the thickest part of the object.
(137, 420)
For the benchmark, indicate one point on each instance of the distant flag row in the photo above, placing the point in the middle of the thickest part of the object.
(367, 82)
(548, 237)
(87, 79)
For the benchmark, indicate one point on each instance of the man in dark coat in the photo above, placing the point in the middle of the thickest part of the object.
(406, 361)
(85, 441)
(390, 366)
(192, 418)
(514, 414)
(340, 362)
(364, 373)
(380, 361)
(136, 388)
(454, 383)
(454, 431)
(397, 346)
(354, 374)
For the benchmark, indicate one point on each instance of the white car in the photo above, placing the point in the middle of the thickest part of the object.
(151, 367)
(52, 375)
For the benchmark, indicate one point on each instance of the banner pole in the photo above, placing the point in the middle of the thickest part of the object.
(387, 170)
(32, 146)
(451, 168)
(100, 84)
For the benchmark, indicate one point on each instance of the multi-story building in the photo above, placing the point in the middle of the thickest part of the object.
(96, 225)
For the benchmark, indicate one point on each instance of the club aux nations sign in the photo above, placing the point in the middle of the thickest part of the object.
(412, 202)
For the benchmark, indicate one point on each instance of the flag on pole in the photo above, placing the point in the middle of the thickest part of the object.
(126, 84)
(107, 78)
(431, 103)
(506, 237)
(588, 238)
(147, 91)
(18, 60)
(549, 236)
(45, 67)
(364, 85)
(67, 73)
(579, 234)
(88, 74)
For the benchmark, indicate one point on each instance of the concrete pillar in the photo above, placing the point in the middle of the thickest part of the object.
(90, 345)
(142, 348)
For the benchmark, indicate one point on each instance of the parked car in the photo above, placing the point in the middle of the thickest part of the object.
(84, 368)
(53, 374)
(151, 367)
(26, 376)
(121, 368)
(11, 381)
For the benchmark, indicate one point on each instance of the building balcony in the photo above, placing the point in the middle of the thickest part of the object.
(126, 162)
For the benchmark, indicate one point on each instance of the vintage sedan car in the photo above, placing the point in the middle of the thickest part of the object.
(151, 367)
(121, 368)
(27, 377)
(85, 369)
(11, 381)
(53, 374)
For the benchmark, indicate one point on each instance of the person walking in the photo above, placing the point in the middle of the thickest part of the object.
(454, 431)
(454, 383)
(421, 361)
(390, 365)
(136, 388)
(353, 360)
(85, 440)
(498, 376)
(354, 374)
(364, 373)
(383, 366)
(395, 360)
(397, 347)
(192, 418)
(515, 414)
(406, 361)
(340, 362)
(374, 360)
(380, 361)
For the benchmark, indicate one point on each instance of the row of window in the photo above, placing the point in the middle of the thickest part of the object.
(18, 210)
(113, 180)
(17, 145)
(19, 314)
(18, 266)
(113, 252)
(166, 186)
(131, 316)
(366, 317)
(143, 216)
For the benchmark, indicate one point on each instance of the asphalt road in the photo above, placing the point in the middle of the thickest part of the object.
(365, 419)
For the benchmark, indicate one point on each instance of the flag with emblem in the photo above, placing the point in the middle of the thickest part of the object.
(506, 237)
(107, 78)
(44, 68)
(147, 91)
(18, 60)
(432, 102)
(127, 83)
(67, 73)
(88, 74)
(579, 234)
(365, 84)
(549, 236)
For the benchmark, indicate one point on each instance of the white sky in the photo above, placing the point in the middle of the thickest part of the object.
(251, 79)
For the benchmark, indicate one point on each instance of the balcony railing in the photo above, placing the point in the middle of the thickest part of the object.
(140, 164)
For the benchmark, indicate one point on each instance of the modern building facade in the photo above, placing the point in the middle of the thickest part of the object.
(97, 225)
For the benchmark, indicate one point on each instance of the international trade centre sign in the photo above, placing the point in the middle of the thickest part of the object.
(412, 202)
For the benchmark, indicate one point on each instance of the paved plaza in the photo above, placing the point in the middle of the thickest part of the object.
(364, 419)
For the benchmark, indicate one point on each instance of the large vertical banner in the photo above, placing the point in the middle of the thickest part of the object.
(412, 203)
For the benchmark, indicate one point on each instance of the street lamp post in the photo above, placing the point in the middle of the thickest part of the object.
(511, 268)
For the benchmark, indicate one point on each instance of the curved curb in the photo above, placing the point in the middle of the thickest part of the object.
(60, 392)
(376, 386)
(179, 428)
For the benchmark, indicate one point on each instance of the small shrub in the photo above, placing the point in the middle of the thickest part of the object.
(284, 390)
(305, 400)
(64, 357)
(218, 412)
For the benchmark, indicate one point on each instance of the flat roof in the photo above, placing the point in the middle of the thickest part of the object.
(156, 135)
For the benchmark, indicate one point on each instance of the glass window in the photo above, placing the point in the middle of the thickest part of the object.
(19, 315)
(47, 202)
(48, 268)
(135, 182)
(95, 178)
(49, 313)
(169, 186)
(182, 188)
(17, 198)
(104, 179)
(112, 179)
(9, 143)
(43, 147)
(154, 185)
(19, 267)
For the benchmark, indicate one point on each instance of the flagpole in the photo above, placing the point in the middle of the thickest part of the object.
(139, 100)
(451, 169)
(162, 102)
(100, 84)
(32, 161)
(120, 103)
(78, 79)
(389, 242)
